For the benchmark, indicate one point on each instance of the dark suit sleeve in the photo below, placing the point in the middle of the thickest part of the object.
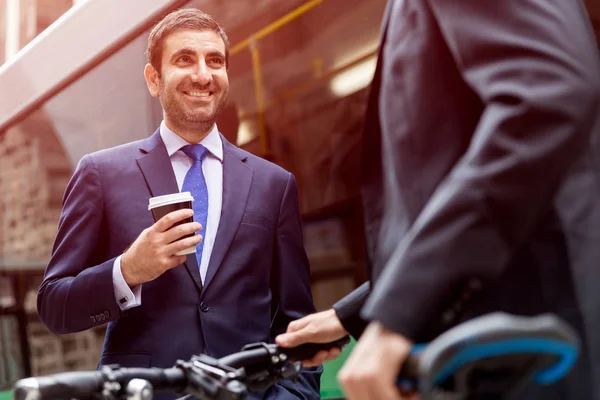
(534, 65)
(348, 310)
(77, 292)
(290, 285)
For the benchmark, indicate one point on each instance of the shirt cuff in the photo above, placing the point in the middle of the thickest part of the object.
(126, 297)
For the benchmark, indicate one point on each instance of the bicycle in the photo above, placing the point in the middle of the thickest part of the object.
(489, 357)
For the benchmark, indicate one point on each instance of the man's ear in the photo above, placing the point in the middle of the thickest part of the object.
(152, 79)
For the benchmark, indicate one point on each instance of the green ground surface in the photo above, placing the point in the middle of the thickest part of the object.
(330, 389)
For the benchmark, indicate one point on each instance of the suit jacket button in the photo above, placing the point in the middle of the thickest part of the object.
(204, 307)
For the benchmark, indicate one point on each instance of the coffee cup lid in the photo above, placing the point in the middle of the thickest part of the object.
(160, 201)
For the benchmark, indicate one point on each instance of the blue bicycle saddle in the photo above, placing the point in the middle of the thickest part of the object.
(493, 356)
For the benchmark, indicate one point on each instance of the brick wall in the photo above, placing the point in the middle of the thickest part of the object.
(28, 224)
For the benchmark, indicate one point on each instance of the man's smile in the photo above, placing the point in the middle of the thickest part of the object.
(198, 94)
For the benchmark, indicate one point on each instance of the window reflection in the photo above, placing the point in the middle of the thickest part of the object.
(313, 61)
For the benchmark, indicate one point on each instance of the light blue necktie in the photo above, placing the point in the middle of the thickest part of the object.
(195, 183)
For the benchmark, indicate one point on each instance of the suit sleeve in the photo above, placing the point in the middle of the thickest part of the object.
(534, 64)
(290, 285)
(348, 310)
(77, 291)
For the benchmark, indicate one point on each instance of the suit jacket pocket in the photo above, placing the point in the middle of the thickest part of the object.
(141, 360)
(258, 220)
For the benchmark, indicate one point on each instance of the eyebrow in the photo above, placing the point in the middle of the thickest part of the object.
(191, 52)
(216, 53)
(186, 51)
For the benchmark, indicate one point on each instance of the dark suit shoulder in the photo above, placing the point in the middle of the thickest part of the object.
(130, 149)
(258, 163)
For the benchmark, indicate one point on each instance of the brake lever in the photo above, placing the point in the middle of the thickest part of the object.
(263, 380)
(278, 367)
(285, 363)
(206, 379)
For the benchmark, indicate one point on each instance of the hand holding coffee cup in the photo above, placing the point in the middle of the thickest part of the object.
(163, 245)
(163, 205)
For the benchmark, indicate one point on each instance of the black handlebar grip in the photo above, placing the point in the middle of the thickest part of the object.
(308, 350)
(67, 385)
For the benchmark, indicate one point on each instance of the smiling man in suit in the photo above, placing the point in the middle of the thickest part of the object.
(111, 263)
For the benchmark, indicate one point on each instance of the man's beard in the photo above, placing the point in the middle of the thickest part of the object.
(183, 116)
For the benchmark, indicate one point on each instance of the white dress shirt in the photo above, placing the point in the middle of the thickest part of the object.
(212, 167)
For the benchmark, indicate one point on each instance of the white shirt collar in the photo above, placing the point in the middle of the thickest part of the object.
(173, 142)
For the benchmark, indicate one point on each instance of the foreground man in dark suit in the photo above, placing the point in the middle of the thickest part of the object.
(482, 163)
(111, 263)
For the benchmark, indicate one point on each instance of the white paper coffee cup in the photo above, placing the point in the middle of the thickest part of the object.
(163, 205)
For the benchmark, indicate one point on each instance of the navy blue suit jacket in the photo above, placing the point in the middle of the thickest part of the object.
(258, 279)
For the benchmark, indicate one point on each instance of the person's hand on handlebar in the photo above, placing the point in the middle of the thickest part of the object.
(373, 366)
(321, 327)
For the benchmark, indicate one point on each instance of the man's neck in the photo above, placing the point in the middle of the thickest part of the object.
(191, 134)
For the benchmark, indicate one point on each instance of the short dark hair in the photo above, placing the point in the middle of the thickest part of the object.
(184, 19)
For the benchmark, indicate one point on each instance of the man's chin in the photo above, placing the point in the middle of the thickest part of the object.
(200, 120)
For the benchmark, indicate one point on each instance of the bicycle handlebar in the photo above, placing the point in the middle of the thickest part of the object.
(86, 384)
(79, 384)
(256, 367)
(259, 353)
(492, 354)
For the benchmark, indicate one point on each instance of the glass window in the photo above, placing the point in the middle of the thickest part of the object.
(299, 87)
(108, 106)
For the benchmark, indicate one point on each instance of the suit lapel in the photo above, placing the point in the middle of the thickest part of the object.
(386, 19)
(156, 167)
(237, 179)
